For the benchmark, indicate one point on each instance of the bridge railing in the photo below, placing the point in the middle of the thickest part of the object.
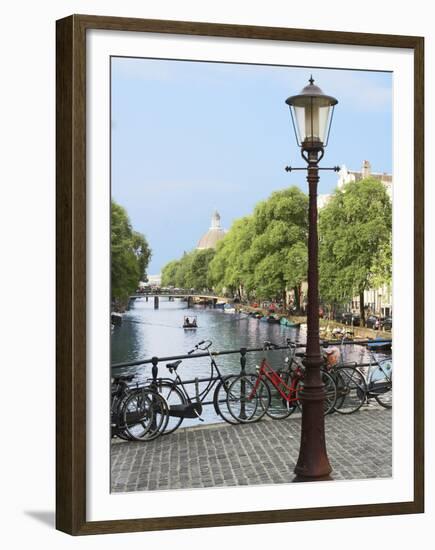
(242, 351)
(154, 361)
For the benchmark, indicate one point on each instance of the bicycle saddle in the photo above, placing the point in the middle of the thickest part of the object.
(173, 365)
(300, 354)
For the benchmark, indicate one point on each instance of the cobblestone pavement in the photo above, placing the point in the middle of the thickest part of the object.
(359, 446)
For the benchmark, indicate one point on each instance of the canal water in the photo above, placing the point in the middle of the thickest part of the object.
(146, 332)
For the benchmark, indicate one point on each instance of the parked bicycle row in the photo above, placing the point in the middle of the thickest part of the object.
(143, 411)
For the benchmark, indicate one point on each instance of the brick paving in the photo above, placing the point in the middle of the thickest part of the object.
(223, 455)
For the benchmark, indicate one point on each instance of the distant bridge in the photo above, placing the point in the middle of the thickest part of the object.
(186, 295)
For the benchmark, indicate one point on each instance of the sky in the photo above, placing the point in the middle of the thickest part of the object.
(191, 137)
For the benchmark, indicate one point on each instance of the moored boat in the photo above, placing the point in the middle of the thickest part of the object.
(287, 323)
(116, 318)
(379, 343)
(264, 319)
(273, 319)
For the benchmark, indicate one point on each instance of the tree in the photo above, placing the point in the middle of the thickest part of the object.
(355, 241)
(130, 255)
(296, 270)
(265, 254)
(278, 253)
(228, 269)
(197, 273)
(169, 273)
(190, 271)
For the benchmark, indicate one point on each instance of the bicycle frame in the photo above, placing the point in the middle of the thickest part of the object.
(372, 368)
(195, 405)
(287, 392)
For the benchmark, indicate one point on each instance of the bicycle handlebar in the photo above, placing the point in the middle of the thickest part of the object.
(199, 344)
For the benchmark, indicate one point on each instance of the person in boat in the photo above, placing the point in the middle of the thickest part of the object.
(194, 323)
(187, 321)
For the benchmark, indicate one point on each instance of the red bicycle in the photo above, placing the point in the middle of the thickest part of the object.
(283, 387)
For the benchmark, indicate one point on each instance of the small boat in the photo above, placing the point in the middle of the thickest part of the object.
(379, 343)
(190, 323)
(229, 308)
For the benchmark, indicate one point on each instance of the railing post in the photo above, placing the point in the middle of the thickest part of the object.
(153, 385)
(242, 383)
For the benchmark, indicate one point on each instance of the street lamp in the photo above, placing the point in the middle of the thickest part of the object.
(311, 113)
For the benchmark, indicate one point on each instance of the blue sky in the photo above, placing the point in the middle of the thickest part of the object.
(190, 137)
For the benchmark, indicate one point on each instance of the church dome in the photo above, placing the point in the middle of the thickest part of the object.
(213, 235)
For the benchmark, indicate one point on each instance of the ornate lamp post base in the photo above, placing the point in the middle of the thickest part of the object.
(313, 463)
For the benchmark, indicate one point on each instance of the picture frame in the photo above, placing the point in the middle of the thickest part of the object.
(72, 412)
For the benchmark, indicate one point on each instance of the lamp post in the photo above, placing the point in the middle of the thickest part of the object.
(311, 113)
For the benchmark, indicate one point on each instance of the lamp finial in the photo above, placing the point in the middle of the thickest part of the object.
(311, 80)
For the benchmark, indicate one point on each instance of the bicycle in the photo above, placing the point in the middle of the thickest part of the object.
(281, 396)
(137, 413)
(182, 405)
(379, 381)
(351, 384)
(119, 392)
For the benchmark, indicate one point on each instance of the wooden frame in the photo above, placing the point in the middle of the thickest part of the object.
(71, 273)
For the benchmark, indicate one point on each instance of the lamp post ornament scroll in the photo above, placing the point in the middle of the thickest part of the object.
(311, 113)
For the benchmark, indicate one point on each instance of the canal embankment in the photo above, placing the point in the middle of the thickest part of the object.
(327, 326)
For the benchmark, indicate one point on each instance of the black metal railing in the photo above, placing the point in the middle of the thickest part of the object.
(242, 351)
(154, 361)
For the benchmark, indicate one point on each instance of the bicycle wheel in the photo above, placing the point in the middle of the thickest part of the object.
(279, 407)
(220, 400)
(246, 402)
(381, 384)
(176, 400)
(351, 390)
(330, 389)
(116, 417)
(144, 414)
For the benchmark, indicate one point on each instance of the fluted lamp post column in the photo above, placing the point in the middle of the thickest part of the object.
(311, 113)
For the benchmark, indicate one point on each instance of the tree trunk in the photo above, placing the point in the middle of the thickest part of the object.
(284, 299)
(297, 293)
(361, 309)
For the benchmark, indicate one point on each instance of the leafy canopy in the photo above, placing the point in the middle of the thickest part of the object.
(355, 240)
(130, 254)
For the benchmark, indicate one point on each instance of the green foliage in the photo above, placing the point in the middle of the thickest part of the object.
(355, 240)
(229, 268)
(169, 273)
(130, 254)
(265, 253)
(191, 271)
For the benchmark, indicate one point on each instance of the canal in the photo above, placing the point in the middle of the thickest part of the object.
(146, 332)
